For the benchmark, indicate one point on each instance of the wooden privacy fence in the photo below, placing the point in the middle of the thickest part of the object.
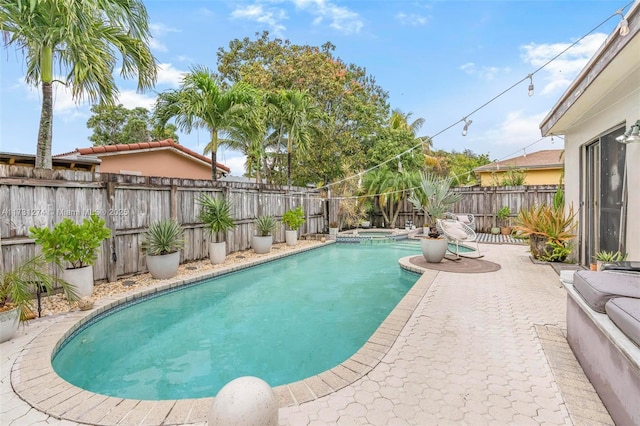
(30, 197)
(483, 202)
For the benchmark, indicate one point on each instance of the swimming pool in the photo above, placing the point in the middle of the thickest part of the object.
(282, 321)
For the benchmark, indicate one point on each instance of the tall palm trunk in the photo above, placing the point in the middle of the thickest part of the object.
(43, 152)
(214, 155)
(289, 168)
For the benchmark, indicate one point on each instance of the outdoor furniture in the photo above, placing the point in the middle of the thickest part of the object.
(456, 232)
(466, 218)
(603, 331)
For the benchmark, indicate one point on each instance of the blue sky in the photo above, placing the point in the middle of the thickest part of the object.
(439, 60)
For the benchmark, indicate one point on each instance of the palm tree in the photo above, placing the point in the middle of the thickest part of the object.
(82, 37)
(400, 121)
(201, 102)
(295, 116)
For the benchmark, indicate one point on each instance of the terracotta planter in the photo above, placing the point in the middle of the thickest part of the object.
(291, 237)
(262, 245)
(217, 252)
(505, 230)
(163, 266)
(9, 321)
(433, 249)
(81, 279)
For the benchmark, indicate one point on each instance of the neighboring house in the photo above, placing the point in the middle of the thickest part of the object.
(602, 175)
(162, 158)
(83, 164)
(539, 168)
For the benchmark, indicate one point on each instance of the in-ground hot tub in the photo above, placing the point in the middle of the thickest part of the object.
(359, 235)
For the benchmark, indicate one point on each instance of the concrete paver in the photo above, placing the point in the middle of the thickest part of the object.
(478, 349)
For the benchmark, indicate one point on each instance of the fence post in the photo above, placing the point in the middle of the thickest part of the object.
(112, 257)
(173, 209)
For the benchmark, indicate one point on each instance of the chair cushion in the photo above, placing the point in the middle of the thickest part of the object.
(454, 229)
(596, 288)
(625, 313)
(463, 218)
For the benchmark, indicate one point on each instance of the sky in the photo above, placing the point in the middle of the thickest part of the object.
(438, 60)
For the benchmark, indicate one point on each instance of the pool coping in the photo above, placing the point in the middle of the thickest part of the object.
(34, 380)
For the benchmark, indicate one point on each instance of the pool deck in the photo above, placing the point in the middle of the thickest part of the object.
(486, 348)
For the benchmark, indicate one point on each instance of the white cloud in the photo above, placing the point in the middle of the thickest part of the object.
(515, 130)
(559, 73)
(257, 13)
(340, 18)
(236, 164)
(157, 46)
(131, 99)
(159, 29)
(411, 19)
(484, 73)
(167, 74)
(63, 104)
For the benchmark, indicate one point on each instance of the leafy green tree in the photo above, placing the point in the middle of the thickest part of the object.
(389, 188)
(355, 107)
(296, 119)
(459, 165)
(83, 38)
(115, 124)
(201, 102)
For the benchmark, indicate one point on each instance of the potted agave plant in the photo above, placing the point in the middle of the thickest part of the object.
(434, 197)
(263, 241)
(162, 243)
(294, 219)
(16, 288)
(216, 215)
(73, 247)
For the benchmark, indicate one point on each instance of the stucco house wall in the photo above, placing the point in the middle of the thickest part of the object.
(532, 177)
(163, 162)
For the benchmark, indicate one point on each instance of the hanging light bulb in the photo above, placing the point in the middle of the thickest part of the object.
(467, 123)
(632, 135)
(623, 25)
(399, 166)
(530, 84)
(525, 152)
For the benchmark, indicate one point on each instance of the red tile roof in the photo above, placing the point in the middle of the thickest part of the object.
(167, 143)
(545, 159)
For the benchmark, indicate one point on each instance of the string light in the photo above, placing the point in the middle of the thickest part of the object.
(624, 24)
(624, 29)
(465, 129)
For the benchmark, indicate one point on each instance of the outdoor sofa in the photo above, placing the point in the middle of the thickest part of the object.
(603, 330)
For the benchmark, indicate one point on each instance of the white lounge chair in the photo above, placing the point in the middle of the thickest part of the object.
(466, 218)
(459, 234)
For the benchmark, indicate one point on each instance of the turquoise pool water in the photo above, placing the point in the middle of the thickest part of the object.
(282, 321)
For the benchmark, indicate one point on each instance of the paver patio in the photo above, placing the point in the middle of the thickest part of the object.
(483, 348)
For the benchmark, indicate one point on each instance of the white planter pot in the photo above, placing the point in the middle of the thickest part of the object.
(291, 237)
(9, 321)
(217, 252)
(81, 279)
(163, 266)
(433, 249)
(262, 245)
(333, 233)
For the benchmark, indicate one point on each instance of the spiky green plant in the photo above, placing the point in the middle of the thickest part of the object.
(434, 197)
(216, 215)
(163, 237)
(265, 225)
(17, 285)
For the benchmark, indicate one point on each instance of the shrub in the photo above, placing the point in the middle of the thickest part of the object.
(216, 215)
(294, 218)
(72, 242)
(265, 225)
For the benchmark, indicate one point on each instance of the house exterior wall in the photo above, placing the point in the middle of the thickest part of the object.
(586, 131)
(163, 162)
(533, 177)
